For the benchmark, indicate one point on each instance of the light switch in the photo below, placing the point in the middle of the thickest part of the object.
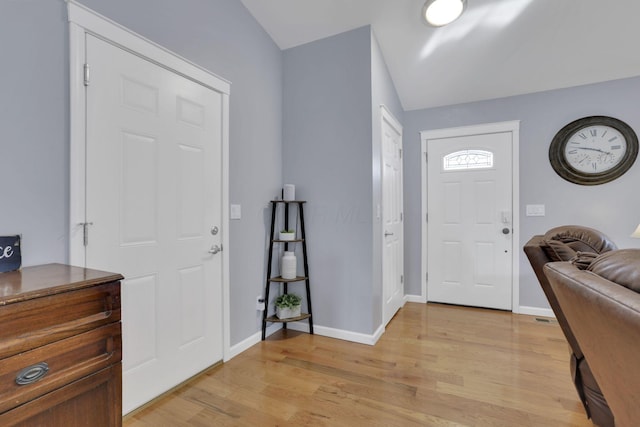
(236, 212)
(535, 210)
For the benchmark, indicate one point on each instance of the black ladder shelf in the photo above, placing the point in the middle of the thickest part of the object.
(277, 279)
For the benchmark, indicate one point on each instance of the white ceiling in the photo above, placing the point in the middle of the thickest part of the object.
(496, 48)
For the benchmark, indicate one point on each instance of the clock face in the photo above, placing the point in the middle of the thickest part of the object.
(593, 150)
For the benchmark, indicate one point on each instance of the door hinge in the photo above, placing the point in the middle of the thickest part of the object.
(86, 74)
(85, 232)
(426, 156)
(426, 217)
(400, 152)
(426, 276)
(401, 216)
(402, 278)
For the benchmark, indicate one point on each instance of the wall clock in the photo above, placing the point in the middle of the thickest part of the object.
(593, 150)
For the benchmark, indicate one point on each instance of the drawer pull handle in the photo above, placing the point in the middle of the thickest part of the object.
(32, 373)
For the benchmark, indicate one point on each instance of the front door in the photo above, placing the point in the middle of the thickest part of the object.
(153, 203)
(470, 220)
(392, 220)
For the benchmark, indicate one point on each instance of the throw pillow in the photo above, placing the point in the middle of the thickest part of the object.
(557, 250)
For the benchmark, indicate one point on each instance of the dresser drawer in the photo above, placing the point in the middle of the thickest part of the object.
(93, 401)
(36, 322)
(66, 361)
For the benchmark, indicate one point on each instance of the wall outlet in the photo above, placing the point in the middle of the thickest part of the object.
(259, 303)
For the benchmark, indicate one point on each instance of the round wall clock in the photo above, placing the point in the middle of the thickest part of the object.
(593, 150)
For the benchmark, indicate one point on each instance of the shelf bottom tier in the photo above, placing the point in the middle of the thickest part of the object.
(274, 319)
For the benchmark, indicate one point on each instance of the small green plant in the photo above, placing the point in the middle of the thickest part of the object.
(288, 301)
(287, 231)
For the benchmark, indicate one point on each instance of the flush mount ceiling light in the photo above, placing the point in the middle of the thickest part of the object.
(442, 12)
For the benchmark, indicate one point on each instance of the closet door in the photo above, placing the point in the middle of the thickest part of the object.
(153, 199)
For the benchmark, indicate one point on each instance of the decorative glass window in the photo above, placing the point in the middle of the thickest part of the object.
(468, 159)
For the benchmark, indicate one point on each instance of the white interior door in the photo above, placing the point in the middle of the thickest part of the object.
(392, 221)
(153, 196)
(470, 223)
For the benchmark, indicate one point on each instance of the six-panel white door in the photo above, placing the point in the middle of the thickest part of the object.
(392, 221)
(470, 220)
(153, 197)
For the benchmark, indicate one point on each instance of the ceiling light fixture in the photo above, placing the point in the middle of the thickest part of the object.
(442, 12)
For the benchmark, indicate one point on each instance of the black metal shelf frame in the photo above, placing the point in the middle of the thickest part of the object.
(285, 282)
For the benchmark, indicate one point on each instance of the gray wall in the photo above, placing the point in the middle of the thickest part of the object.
(34, 118)
(327, 155)
(613, 208)
(333, 89)
(327, 95)
(219, 35)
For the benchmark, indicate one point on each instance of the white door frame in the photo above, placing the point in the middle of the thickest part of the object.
(388, 117)
(83, 20)
(510, 126)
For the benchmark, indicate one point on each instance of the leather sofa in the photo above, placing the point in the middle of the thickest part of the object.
(562, 244)
(602, 306)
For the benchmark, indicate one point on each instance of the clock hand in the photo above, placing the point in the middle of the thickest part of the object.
(593, 149)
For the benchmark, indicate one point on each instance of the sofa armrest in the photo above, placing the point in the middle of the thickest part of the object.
(605, 319)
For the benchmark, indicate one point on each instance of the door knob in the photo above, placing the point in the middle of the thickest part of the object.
(506, 230)
(215, 249)
(386, 233)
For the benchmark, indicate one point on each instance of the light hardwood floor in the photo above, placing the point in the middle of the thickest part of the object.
(436, 365)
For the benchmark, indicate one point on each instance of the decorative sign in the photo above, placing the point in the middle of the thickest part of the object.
(10, 254)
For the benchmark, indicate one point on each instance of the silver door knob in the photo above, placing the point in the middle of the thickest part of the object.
(506, 230)
(386, 233)
(215, 249)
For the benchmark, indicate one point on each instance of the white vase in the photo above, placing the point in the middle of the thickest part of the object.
(286, 312)
(288, 265)
(289, 192)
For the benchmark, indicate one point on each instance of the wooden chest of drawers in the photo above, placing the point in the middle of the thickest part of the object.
(60, 347)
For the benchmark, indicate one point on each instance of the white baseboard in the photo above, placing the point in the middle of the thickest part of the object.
(340, 334)
(415, 298)
(536, 311)
(251, 341)
(304, 327)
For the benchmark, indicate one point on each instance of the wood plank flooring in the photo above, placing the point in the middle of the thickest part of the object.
(436, 365)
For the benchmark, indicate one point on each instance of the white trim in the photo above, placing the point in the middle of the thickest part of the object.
(536, 311)
(77, 176)
(254, 339)
(509, 126)
(83, 20)
(421, 299)
(340, 334)
(226, 296)
(424, 252)
(101, 26)
(387, 116)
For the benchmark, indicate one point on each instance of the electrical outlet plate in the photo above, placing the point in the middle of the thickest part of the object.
(260, 303)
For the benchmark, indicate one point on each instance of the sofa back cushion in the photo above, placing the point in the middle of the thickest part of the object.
(563, 243)
(621, 267)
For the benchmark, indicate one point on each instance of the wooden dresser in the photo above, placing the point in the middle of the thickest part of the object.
(60, 347)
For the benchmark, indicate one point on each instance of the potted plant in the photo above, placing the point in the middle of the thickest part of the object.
(287, 235)
(288, 305)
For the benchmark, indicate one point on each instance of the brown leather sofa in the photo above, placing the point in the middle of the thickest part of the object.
(562, 244)
(602, 307)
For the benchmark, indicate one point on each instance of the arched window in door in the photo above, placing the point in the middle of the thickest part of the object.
(468, 160)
